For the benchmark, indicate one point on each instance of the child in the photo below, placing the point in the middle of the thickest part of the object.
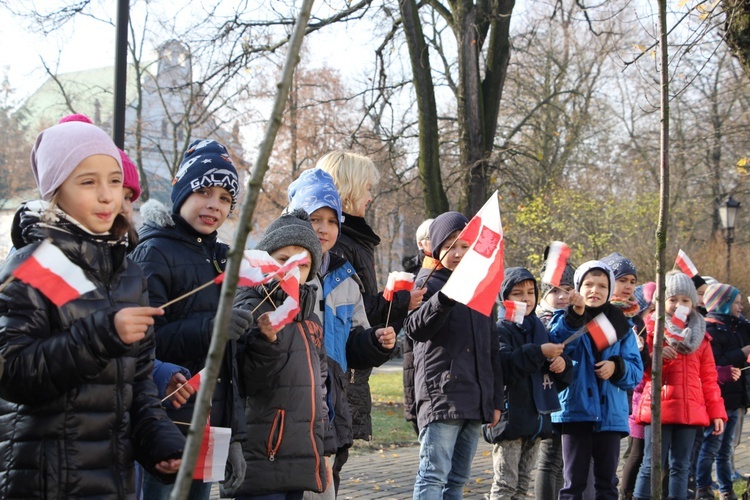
(77, 385)
(458, 377)
(594, 415)
(549, 476)
(730, 343)
(532, 368)
(349, 340)
(691, 398)
(283, 375)
(354, 176)
(179, 252)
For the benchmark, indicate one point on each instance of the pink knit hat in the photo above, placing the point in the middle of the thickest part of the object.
(60, 149)
(130, 177)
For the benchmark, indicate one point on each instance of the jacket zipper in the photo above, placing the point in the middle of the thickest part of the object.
(313, 387)
(276, 434)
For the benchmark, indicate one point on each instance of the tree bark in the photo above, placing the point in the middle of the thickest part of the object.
(737, 27)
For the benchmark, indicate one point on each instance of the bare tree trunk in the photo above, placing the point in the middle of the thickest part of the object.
(435, 199)
(661, 244)
(219, 335)
(737, 28)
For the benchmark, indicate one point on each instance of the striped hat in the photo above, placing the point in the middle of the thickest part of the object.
(719, 297)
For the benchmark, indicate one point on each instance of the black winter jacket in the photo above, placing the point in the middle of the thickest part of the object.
(728, 336)
(356, 243)
(78, 405)
(284, 385)
(457, 369)
(176, 259)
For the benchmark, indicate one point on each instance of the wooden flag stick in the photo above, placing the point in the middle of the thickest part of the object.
(6, 283)
(191, 292)
(268, 296)
(174, 392)
(576, 335)
(388, 316)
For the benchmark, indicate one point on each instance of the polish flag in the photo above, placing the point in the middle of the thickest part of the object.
(294, 261)
(514, 311)
(397, 281)
(212, 458)
(285, 313)
(477, 278)
(680, 317)
(557, 258)
(685, 264)
(261, 260)
(602, 332)
(195, 380)
(52, 273)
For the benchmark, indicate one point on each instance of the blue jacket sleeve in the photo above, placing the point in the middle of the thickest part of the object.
(631, 363)
(163, 373)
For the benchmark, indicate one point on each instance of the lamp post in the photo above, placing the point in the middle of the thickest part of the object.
(728, 214)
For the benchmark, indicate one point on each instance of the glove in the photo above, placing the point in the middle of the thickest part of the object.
(236, 467)
(239, 323)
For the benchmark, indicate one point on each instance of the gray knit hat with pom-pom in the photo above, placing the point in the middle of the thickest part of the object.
(293, 229)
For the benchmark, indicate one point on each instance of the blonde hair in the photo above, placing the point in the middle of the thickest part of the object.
(351, 174)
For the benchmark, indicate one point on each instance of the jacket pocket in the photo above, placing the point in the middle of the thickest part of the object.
(275, 435)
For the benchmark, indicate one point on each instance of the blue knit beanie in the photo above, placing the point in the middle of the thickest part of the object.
(312, 190)
(442, 227)
(206, 163)
(620, 265)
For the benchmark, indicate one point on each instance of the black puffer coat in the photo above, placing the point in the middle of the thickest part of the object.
(78, 405)
(284, 385)
(728, 336)
(356, 243)
(176, 259)
(457, 368)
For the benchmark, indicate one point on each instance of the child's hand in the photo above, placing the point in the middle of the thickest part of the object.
(268, 331)
(416, 297)
(557, 365)
(604, 369)
(182, 394)
(718, 427)
(550, 350)
(575, 299)
(131, 323)
(496, 418)
(669, 352)
(386, 337)
(170, 466)
(736, 372)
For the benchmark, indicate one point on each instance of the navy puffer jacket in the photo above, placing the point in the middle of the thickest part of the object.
(78, 405)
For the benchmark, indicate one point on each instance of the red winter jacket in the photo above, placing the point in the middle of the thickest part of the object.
(690, 392)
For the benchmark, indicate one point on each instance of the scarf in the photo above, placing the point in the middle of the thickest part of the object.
(687, 340)
(628, 307)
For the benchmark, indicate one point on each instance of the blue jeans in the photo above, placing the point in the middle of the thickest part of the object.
(153, 489)
(719, 449)
(446, 451)
(676, 447)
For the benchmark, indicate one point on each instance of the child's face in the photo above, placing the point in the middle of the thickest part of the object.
(207, 209)
(624, 286)
(451, 258)
(92, 193)
(127, 204)
(359, 207)
(284, 253)
(670, 305)
(326, 227)
(736, 308)
(559, 296)
(701, 290)
(525, 291)
(594, 289)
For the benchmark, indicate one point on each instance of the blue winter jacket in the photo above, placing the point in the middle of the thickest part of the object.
(588, 398)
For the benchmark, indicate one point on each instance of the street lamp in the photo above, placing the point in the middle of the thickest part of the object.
(728, 214)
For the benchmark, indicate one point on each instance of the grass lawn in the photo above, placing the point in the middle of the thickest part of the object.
(389, 428)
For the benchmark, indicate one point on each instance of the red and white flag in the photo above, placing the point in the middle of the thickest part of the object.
(602, 332)
(680, 317)
(52, 273)
(285, 313)
(397, 281)
(212, 458)
(259, 268)
(477, 278)
(195, 380)
(261, 260)
(514, 311)
(557, 259)
(294, 261)
(685, 264)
